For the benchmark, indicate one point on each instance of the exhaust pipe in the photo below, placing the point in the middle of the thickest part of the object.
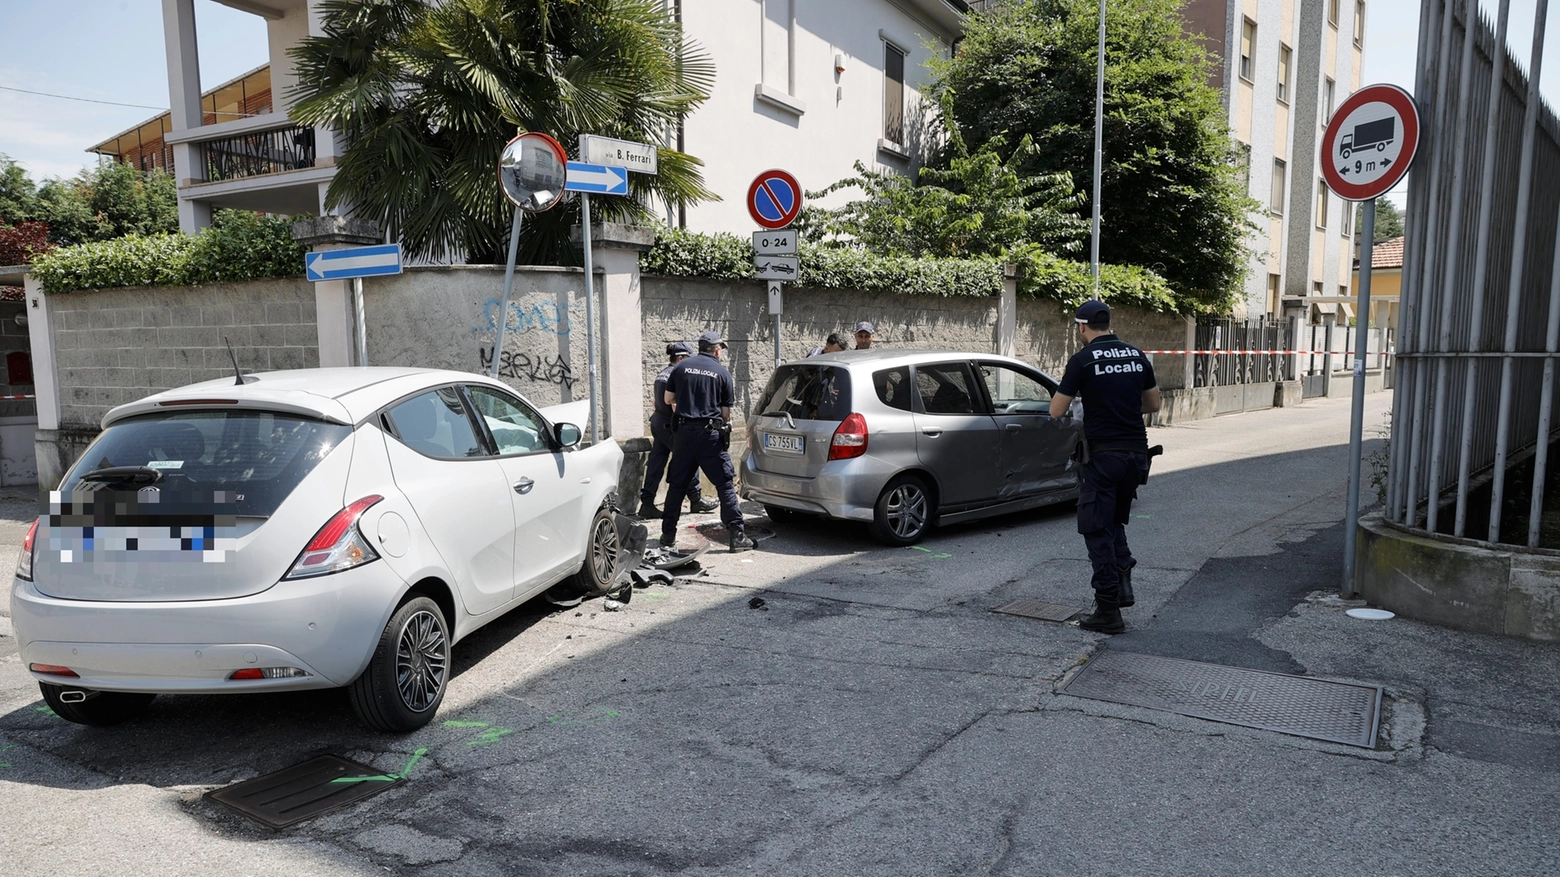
(75, 695)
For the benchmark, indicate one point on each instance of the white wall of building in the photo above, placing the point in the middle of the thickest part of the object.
(817, 123)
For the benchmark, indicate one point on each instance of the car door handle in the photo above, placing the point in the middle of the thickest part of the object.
(524, 485)
(1011, 427)
(934, 433)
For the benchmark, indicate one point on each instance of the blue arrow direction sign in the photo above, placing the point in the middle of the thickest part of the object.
(353, 262)
(597, 179)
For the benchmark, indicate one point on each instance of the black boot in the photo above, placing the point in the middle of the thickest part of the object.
(699, 505)
(740, 541)
(647, 509)
(1124, 574)
(1106, 617)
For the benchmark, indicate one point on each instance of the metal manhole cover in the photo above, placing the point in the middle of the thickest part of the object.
(304, 791)
(1334, 711)
(1037, 609)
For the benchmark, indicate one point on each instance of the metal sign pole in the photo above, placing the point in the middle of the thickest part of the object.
(590, 321)
(1099, 153)
(357, 314)
(1357, 418)
(509, 285)
(774, 296)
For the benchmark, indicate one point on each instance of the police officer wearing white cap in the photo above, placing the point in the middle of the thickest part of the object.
(702, 393)
(1116, 382)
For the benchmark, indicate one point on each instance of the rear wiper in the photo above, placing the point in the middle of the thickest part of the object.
(134, 474)
(782, 413)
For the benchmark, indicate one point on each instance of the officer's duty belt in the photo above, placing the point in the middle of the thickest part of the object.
(699, 422)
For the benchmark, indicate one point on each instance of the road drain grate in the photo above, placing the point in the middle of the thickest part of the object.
(303, 791)
(1037, 609)
(1334, 711)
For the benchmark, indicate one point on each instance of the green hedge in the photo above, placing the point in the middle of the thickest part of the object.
(239, 245)
(723, 256)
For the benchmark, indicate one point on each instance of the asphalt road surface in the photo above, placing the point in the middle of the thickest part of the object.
(872, 716)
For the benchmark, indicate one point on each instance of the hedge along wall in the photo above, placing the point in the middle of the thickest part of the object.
(113, 346)
(679, 308)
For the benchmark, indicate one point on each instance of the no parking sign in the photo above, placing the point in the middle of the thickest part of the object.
(775, 199)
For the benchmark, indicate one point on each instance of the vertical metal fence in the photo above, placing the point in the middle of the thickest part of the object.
(1472, 416)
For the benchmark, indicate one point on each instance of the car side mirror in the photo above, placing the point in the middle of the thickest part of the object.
(566, 434)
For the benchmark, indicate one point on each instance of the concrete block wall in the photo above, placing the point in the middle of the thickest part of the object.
(679, 308)
(113, 346)
(447, 317)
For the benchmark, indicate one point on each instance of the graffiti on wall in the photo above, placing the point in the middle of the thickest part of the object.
(544, 316)
(535, 367)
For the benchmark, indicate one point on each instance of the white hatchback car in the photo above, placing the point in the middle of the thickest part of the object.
(306, 529)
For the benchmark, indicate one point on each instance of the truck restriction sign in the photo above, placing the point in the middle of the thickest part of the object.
(1370, 142)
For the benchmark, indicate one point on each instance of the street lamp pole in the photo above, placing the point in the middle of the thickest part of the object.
(1099, 152)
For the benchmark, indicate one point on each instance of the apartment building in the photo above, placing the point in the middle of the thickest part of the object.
(812, 86)
(1284, 65)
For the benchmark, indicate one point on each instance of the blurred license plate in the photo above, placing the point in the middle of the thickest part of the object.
(784, 444)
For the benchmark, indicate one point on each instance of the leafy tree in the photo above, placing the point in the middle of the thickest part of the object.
(18, 194)
(1171, 197)
(108, 201)
(426, 94)
(979, 205)
(1389, 219)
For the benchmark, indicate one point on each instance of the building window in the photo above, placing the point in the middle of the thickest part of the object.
(1359, 23)
(1243, 165)
(1316, 287)
(1332, 12)
(1248, 49)
(1327, 101)
(1274, 285)
(893, 94)
(1284, 56)
(1321, 204)
(1348, 219)
(1277, 203)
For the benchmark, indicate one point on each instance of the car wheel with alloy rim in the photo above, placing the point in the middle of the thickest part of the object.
(405, 680)
(903, 512)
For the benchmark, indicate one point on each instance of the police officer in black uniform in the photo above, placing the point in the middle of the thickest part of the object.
(661, 435)
(1117, 384)
(701, 393)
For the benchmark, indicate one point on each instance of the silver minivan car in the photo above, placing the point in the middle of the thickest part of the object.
(903, 440)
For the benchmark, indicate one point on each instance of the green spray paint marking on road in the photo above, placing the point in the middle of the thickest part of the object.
(456, 724)
(937, 555)
(4, 748)
(491, 735)
(387, 778)
(45, 709)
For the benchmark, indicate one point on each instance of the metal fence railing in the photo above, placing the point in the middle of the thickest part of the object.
(1480, 329)
(1231, 365)
(250, 155)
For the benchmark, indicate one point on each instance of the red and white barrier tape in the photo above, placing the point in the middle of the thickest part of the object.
(20, 396)
(1262, 352)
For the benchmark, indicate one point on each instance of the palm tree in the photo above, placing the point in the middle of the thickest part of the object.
(426, 95)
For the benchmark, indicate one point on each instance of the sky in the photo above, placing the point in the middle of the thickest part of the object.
(112, 50)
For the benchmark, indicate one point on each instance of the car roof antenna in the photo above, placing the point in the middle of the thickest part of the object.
(238, 374)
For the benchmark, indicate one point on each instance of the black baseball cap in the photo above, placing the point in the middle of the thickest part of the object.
(710, 341)
(679, 348)
(1094, 313)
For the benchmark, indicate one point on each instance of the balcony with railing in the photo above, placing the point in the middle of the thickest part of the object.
(255, 154)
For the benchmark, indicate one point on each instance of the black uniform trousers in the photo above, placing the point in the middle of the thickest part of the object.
(661, 437)
(1107, 484)
(695, 448)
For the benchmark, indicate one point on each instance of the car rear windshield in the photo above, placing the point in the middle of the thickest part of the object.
(254, 459)
(808, 392)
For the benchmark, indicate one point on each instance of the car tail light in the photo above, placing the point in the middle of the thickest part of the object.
(850, 440)
(339, 545)
(268, 673)
(24, 561)
(53, 670)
